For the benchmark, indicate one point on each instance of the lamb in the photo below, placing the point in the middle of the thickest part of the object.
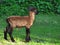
(19, 22)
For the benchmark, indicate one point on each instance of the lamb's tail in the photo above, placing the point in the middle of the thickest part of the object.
(7, 20)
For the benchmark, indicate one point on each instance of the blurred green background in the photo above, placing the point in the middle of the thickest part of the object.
(46, 27)
(20, 7)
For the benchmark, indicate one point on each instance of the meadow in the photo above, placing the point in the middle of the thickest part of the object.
(45, 31)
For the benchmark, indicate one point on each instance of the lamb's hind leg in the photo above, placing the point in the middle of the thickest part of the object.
(27, 35)
(5, 33)
(10, 34)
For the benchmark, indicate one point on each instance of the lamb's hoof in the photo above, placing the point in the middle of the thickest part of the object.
(27, 40)
(13, 40)
(5, 38)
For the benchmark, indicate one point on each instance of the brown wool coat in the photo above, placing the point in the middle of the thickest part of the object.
(20, 21)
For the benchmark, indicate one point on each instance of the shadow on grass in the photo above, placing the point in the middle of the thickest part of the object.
(44, 39)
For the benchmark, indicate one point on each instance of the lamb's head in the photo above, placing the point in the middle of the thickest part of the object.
(34, 10)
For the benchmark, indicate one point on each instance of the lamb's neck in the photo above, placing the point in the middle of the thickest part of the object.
(32, 16)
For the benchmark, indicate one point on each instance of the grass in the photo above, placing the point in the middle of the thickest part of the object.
(45, 31)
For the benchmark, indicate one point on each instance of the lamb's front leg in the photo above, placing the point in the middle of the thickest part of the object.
(27, 35)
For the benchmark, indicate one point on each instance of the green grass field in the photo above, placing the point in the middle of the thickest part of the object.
(45, 31)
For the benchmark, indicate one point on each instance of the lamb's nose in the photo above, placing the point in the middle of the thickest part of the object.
(37, 12)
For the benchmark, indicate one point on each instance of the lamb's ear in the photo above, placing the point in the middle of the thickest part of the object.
(31, 8)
